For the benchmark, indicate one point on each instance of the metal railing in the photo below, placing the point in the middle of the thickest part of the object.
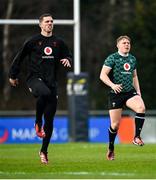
(65, 112)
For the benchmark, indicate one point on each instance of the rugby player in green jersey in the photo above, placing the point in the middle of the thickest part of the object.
(120, 74)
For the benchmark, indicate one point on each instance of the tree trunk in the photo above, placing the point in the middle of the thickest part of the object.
(110, 23)
(126, 10)
(6, 53)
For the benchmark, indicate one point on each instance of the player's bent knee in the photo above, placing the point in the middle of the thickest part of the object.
(140, 109)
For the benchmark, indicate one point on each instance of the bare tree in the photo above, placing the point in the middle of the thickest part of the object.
(6, 53)
(110, 22)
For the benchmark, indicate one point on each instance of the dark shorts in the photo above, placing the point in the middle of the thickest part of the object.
(116, 101)
(38, 87)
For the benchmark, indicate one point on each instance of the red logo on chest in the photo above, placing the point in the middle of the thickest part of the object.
(48, 50)
(127, 67)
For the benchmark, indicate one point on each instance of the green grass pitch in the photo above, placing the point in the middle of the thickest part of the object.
(78, 161)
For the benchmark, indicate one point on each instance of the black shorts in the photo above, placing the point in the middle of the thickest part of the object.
(116, 101)
(38, 87)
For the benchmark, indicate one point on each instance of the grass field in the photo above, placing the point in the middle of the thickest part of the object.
(76, 161)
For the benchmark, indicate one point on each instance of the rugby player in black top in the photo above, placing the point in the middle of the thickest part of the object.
(45, 52)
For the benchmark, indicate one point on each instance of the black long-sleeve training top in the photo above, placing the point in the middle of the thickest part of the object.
(44, 55)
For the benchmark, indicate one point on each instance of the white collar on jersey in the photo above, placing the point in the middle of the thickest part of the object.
(124, 55)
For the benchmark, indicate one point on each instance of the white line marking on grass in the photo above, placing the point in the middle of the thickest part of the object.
(72, 173)
(97, 173)
(9, 173)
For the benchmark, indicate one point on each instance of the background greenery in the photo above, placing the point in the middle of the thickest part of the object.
(102, 21)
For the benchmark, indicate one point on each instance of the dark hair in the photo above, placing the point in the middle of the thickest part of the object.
(44, 15)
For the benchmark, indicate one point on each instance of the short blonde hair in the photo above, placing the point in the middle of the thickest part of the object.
(123, 37)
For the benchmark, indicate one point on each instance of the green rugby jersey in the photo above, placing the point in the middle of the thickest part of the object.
(121, 70)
